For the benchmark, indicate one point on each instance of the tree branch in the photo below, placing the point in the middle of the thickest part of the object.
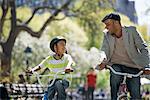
(12, 34)
(36, 10)
(29, 30)
(50, 19)
(55, 14)
(60, 18)
(4, 12)
(78, 9)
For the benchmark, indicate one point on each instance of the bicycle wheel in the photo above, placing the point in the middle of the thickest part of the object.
(123, 97)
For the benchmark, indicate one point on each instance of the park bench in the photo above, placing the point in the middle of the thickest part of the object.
(16, 91)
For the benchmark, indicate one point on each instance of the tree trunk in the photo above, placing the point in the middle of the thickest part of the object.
(8, 45)
(5, 66)
(6, 58)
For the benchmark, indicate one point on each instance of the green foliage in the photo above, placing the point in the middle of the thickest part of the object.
(6, 29)
(66, 27)
(103, 79)
(90, 29)
(89, 16)
(19, 57)
(142, 29)
(36, 22)
(23, 16)
(7, 26)
(69, 29)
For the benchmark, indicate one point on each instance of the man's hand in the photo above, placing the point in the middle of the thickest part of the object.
(101, 66)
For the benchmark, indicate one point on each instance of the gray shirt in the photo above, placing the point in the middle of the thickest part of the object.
(120, 55)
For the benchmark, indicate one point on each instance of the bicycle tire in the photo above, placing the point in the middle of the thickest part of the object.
(123, 97)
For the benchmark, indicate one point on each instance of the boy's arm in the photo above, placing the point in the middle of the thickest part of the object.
(38, 67)
(70, 64)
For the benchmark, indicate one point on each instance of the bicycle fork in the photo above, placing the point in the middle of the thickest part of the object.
(123, 88)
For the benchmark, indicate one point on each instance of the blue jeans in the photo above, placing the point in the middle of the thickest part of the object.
(59, 86)
(133, 84)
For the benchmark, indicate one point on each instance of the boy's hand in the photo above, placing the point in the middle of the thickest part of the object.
(29, 71)
(68, 70)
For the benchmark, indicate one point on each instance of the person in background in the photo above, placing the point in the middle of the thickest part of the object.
(3, 92)
(21, 78)
(126, 52)
(91, 83)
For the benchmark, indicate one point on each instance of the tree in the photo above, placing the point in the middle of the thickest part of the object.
(55, 7)
(89, 15)
(17, 26)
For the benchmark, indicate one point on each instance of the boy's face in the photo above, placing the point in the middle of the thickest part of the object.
(60, 47)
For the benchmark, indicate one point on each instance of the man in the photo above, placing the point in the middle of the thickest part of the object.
(126, 52)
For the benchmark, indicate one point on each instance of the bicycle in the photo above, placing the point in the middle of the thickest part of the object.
(66, 73)
(123, 91)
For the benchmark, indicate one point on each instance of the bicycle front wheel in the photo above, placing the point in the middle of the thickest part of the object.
(123, 97)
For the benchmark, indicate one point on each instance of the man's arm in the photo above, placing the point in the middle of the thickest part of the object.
(105, 48)
(141, 46)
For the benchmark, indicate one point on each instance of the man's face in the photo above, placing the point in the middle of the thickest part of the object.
(110, 26)
(60, 47)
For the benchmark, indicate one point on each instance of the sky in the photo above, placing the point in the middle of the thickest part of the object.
(141, 6)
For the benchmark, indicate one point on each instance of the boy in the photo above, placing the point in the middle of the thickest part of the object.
(56, 62)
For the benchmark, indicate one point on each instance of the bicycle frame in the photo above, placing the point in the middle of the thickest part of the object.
(123, 93)
(62, 72)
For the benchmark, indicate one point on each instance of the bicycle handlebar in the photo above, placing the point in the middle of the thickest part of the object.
(67, 70)
(125, 74)
(61, 72)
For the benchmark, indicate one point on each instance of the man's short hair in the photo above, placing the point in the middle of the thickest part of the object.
(112, 16)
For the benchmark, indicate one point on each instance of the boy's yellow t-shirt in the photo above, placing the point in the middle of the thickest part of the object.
(57, 65)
